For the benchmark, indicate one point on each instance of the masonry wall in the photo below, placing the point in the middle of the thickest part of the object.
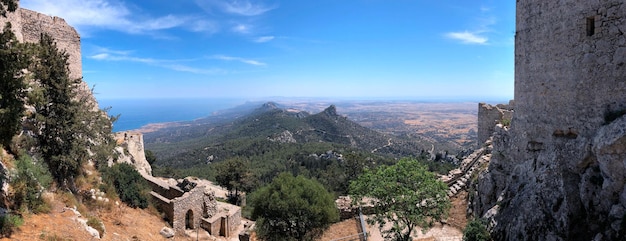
(191, 200)
(565, 76)
(489, 116)
(28, 26)
(558, 173)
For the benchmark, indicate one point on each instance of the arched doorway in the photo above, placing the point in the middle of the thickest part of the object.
(189, 220)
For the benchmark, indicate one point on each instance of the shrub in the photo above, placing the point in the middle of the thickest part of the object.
(128, 183)
(8, 224)
(292, 208)
(476, 230)
(95, 223)
(29, 181)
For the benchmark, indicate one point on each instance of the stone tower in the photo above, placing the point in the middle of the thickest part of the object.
(570, 65)
(559, 172)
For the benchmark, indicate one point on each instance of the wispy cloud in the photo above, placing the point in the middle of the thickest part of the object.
(242, 29)
(205, 26)
(479, 31)
(88, 15)
(264, 39)
(115, 55)
(237, 7)
(468, 37)
(242, 60)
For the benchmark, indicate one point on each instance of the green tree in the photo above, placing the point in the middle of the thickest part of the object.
(234, 174)
(406, 195)
(292, 208)
(13, 59)
(476, 230)
(150, 157)
(128, 183)
(62, 132)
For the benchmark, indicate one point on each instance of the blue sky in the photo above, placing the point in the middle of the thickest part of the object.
(293, 48)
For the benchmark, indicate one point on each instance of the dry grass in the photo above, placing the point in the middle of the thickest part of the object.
(121, 223)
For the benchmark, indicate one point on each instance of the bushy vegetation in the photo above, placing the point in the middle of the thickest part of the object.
(8, 224)
(292, 208)
(128, 183)
(476, 230)
(406, 195)
(150, 157)
(235, 175)
(65, 123)
(28, 182)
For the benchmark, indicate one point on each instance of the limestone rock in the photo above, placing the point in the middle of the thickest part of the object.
(167, 232)
(284, 137)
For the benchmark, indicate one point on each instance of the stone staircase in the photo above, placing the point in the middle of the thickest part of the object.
(459, 178)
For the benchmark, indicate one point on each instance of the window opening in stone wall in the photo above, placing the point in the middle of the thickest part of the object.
(189, 220)
(591, 26)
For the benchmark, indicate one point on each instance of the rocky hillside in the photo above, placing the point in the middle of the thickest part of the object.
(270, 125)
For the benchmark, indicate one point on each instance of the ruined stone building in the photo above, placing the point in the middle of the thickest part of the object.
(559, 171)
(188, 205)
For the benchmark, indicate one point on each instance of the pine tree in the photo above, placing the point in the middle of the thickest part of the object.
(13, 60)
(61, 138)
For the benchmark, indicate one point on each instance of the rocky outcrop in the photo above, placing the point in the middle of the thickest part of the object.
(130, 150)
(284, 137)
(558, 173)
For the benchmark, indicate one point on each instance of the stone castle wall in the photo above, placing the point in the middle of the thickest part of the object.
(28, 26)
(131, 150)
(559, 171)
(570, 65)
(489, 116)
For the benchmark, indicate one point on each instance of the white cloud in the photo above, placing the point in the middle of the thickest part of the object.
(205, 26)
(480, 27)
(242, 60)
(264, 39)
(242, 29)
(468, 37)
(237, 7)
(87, 15)
(113, 55)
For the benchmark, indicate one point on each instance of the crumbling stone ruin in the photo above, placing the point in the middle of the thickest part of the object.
(189, 205)
(559, 171)
(130, 150)
(489, 116)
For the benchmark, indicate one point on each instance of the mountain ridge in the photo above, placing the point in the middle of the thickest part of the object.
(270, 120)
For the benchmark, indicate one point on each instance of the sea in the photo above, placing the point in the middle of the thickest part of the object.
(135, 113)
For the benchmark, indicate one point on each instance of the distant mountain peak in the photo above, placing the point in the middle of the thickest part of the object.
(270, 105)
(331, 111)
